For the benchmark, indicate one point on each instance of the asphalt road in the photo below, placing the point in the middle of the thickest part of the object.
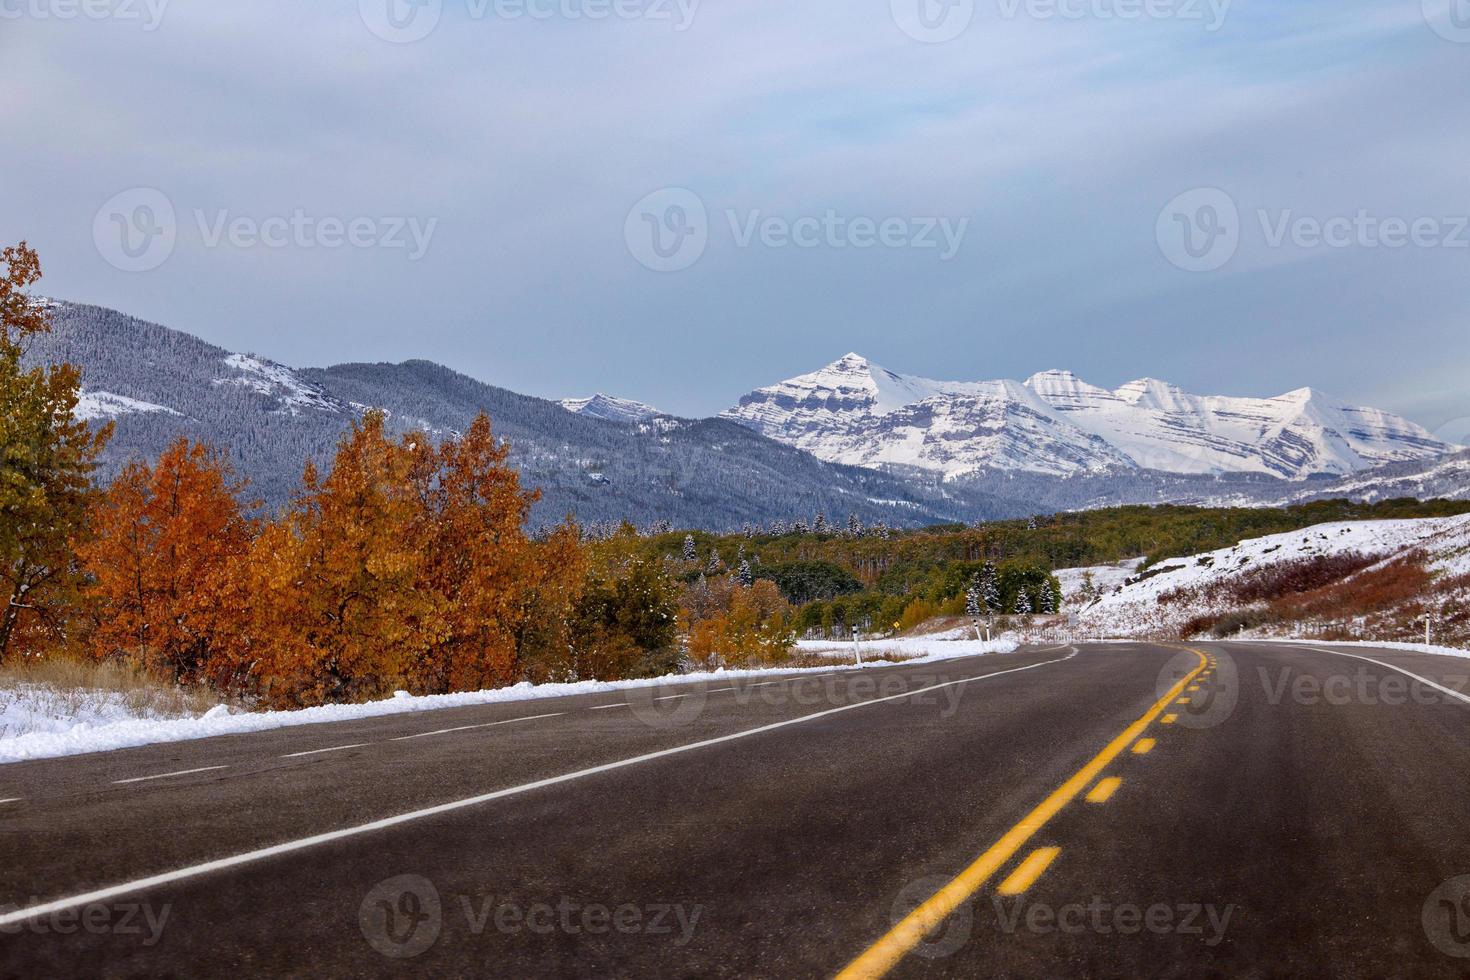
(1105, 810)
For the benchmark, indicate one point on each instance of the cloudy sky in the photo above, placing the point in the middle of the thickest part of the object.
(678, 200)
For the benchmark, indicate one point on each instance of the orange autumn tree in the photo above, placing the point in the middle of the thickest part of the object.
(489, 575)
(165, 539)
(407, 566)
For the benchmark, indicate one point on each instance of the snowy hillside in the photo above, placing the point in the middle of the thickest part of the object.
(854, 411)
(1347, 575)
(601, 406)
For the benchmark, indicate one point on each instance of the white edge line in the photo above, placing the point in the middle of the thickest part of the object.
(334, 748)
(13, 799)
(466, 728)
(162, 775)
(604, 707)
(1423, 680)
(194, 871)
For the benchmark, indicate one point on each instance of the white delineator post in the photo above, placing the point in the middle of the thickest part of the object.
(1428, 630)
(856, 648)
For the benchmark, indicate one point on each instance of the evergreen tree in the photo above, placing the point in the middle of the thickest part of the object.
(854, 525)
(691, 553)
(972, 598)
(1023, 603)
(1048, 599)
(990, 588)
(716, 564)
(747, 577)
(819, 523)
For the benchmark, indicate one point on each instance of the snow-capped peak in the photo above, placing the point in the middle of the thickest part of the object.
(854, 411)
(609, 408)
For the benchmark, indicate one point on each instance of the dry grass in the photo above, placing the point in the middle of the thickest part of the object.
(58, 688)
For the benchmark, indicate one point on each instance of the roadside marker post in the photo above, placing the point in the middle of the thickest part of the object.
(857, 650)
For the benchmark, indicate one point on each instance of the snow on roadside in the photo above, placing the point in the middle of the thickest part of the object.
(938, 646)
(104, 729)
(44, 709)
(1367, 645)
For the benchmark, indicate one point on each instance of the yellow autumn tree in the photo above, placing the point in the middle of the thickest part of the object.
(47, 458)
(337, 611)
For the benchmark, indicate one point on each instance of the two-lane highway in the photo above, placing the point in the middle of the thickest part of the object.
(1114, 809)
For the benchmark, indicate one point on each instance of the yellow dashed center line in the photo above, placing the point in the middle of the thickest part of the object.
(1168, 719)
(1144, 746)
(1032, 868)
(1104, 790)
(885, 954)
(1182, 701)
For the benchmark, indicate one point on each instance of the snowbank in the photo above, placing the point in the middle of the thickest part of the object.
(104, 729)
(1368, 645)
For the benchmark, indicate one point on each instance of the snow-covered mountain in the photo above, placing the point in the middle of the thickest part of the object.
(612, 409)
(158, 384)
(853, 411)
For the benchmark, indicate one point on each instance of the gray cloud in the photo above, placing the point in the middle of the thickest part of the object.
(1059, 139)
